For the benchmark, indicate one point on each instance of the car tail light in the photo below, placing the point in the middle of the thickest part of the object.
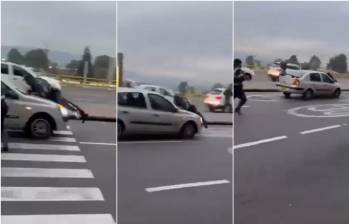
(296, 82)
(219, 97)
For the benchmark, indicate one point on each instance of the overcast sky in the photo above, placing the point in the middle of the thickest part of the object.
(189, 41)
(271, 30)
(63, 26)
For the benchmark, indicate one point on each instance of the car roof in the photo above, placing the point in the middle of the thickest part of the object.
(130, 90)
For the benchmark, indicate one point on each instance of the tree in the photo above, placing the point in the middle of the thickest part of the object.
(338, 63)
(15, 56)
(36, 58)
(73, 65)
(101, 66)
(217, 85)
(314, 62)
(249, 61)
(86, 58)
(183, 87)
(293, 60)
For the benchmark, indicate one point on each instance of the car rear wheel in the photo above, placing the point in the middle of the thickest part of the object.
(39, 128)
(287, 95)
(188, 131)
(337, 93)
(307, 95)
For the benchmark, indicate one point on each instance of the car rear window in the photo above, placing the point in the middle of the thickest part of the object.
(216, 92)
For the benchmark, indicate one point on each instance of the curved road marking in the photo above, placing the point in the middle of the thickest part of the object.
(322, 110)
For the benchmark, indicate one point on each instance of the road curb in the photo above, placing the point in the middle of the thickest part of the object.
(113, 119)
(275, 90)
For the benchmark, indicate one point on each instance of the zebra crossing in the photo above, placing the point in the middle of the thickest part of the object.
(49, 182)
(217, 132)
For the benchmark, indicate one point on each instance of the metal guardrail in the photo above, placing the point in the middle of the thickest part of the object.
(79, 80)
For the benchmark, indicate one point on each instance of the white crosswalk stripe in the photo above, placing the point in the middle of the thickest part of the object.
(43, 146)
(216, 133)
(43, 157)
(45, 172)
(58, 219)
(51, 194)
(59, 169)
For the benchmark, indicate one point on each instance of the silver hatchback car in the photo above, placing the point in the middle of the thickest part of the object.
(38, 117)
(309, 83)
(145, 112)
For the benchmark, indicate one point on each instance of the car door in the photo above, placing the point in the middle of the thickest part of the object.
(133, 111)
(328, 84)
(14, 118)
(163, 114)
(316, 83)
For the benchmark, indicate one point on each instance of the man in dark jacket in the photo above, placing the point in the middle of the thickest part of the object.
(4, 110)
(239, 78)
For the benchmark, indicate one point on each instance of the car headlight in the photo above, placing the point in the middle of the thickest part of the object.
(63, 110)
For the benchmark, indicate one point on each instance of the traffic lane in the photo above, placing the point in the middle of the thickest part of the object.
(267, 117)
(89, 95)
(97, 141)
(294, 180)
(141, 166)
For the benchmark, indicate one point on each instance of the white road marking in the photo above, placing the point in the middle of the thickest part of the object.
(62, 139)
(248, 144)
(63, 132)
(149, 142)
(58, 219)
(320, 129)
(98, 143)
(179, 186)
(43, 157)
(13, 145)
(51, 194)
(230, 150)
(45, 172)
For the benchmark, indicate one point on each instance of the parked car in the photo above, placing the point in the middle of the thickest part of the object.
(145, 112)
(38, 117)
(309, 83)
(168, 93)
(17, 74)
(275, 70)
(215, 100)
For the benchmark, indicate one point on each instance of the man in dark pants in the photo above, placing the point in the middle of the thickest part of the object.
(4, 110)
(239, 92)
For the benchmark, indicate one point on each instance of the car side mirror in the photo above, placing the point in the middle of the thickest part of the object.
(175, 110)
(11, 95)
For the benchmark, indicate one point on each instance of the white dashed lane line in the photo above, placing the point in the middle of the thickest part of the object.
(186, 185)
(43, 146)
(262, 141)
(320, 129)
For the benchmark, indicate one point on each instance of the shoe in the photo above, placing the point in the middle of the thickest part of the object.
(238, 111)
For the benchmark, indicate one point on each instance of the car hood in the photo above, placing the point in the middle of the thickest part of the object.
(39, 100)
(188, 113)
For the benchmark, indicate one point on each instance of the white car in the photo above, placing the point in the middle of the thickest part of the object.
(309, 83)
(38, 117)
(15, 74)
(145, 112)
(168, 93)
(215, 100)
(275, 70)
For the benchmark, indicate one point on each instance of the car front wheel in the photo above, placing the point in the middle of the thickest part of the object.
(307, 95)
(188, 131)
(287, 95)
(337, 93)
(39, 128)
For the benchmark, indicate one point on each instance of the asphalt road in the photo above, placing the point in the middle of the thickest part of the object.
(65, 179)
(290, 160)
(176, 181)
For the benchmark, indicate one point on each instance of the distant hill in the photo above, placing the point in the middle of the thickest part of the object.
(60, 57)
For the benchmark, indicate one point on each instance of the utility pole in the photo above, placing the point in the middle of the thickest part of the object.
(120, 69)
